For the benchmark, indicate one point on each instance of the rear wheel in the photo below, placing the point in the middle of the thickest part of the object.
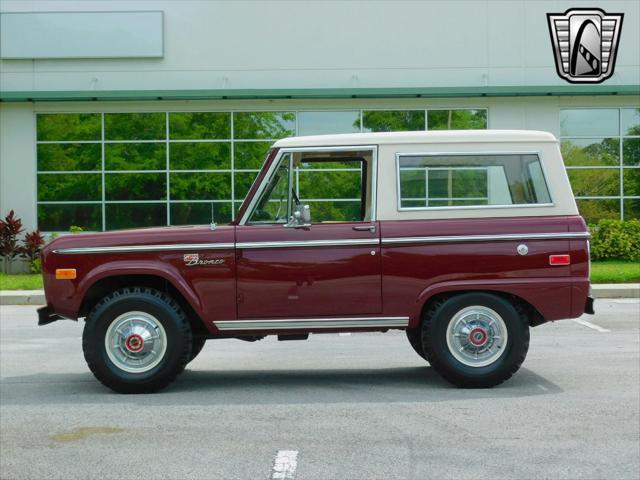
(136, 340)
(475, 340)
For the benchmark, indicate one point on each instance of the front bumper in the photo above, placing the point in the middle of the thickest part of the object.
(46, 316)
(588, 307)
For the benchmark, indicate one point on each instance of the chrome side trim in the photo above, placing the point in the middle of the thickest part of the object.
(313, 323)
(309, 243)
(145, 248)
(487, 238)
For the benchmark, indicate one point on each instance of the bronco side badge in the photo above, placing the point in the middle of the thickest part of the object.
(191, 259)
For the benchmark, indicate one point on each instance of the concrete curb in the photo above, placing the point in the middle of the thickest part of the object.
(603, 290)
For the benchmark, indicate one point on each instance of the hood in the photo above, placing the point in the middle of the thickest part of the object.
(192, 234)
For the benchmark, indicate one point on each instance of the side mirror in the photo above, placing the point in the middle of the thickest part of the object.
(301, 217)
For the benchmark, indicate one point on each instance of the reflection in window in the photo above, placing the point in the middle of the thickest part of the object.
(131, 215)
(323, 123)
(393, 120)
(601, 146)
(267, 125)
(456, 119)
(135, 156)
(135, 126)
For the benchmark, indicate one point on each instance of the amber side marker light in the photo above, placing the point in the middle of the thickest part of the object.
(559, 259)
(65, 273)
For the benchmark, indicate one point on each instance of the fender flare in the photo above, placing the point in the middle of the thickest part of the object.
(148, 267)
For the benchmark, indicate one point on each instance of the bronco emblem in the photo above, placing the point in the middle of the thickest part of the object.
(585, 43)
(191, 259)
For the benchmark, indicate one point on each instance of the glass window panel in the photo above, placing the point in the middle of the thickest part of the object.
(631, 182)
(455, 202)
(186, 213)
(600, 182)
(250, 155)
(200, 156)
(334, 211)
(456, 119)
(257, 125)
(199, 125)
(591, 151)
(69, 127)
(273, 202)
(630, 121)
(488, 179)
(321, 123)
(631, 208)
(60, 218)
(135, 156)
(393, 121)
(457, 183)
(200, 186)
(585, 122)
(69, 187)
(69, 156)
(136, 186)
(135, 126)
(595, 210)
(243, 180)
(135, 215)
(631, 151)
(414, 185)
(413, 203)
(334, 185)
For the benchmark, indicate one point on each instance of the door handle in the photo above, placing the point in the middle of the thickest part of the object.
(365, 228)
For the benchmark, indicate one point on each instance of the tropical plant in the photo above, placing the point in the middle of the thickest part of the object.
(31, 248)
(10, 228)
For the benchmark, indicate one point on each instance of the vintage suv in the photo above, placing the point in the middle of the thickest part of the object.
(462, 239)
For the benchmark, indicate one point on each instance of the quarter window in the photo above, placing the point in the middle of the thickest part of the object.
(427, 181)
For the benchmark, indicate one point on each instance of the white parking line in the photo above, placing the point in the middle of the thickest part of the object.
(285, 464)
(344, 334)
(591, 325)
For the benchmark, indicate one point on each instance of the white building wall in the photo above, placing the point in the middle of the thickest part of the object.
(326, 44)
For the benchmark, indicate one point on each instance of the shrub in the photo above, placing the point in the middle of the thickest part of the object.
(10, 228)
(615, 239)
(33, 242)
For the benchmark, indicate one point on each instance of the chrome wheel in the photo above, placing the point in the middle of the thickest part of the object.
(477, 336)
(135, 342)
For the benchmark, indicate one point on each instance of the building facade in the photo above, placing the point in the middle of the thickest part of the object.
(123, 114)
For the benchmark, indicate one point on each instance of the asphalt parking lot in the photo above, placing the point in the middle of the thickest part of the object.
(360, 406)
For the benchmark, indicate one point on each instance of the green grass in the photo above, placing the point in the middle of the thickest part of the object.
(611, 271)
(20, 281)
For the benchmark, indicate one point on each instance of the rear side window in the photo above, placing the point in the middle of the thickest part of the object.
(475, 180)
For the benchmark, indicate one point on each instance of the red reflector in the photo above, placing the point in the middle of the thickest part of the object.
(559, 259)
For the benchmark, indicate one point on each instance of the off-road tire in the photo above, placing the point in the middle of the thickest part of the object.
(415, 340)
(197, 344)
(166, 311)
(434, 328)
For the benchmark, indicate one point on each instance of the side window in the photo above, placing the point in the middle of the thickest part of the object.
(337, 186)
(274, 203)
(427, 181)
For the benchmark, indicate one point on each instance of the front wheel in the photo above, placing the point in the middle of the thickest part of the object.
(475, 340)
(136, 340)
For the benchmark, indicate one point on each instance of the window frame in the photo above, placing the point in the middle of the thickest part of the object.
(283, 151)
(538, 153)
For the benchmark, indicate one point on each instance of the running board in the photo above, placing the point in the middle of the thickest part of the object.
(313, 323)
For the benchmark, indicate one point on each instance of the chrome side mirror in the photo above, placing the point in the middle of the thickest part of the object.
(301, 217)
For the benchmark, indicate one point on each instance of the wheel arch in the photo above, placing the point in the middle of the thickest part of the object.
(107, 284)
(534, 317)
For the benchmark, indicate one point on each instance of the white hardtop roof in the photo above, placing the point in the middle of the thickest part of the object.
(440, 136)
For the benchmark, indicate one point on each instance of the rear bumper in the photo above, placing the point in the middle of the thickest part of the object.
(46, 316)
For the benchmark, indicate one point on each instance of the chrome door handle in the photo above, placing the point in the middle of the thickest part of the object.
(365, 228)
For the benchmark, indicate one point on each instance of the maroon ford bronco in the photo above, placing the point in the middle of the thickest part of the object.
(464, 240)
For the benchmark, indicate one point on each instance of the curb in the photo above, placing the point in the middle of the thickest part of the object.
(604, 290)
